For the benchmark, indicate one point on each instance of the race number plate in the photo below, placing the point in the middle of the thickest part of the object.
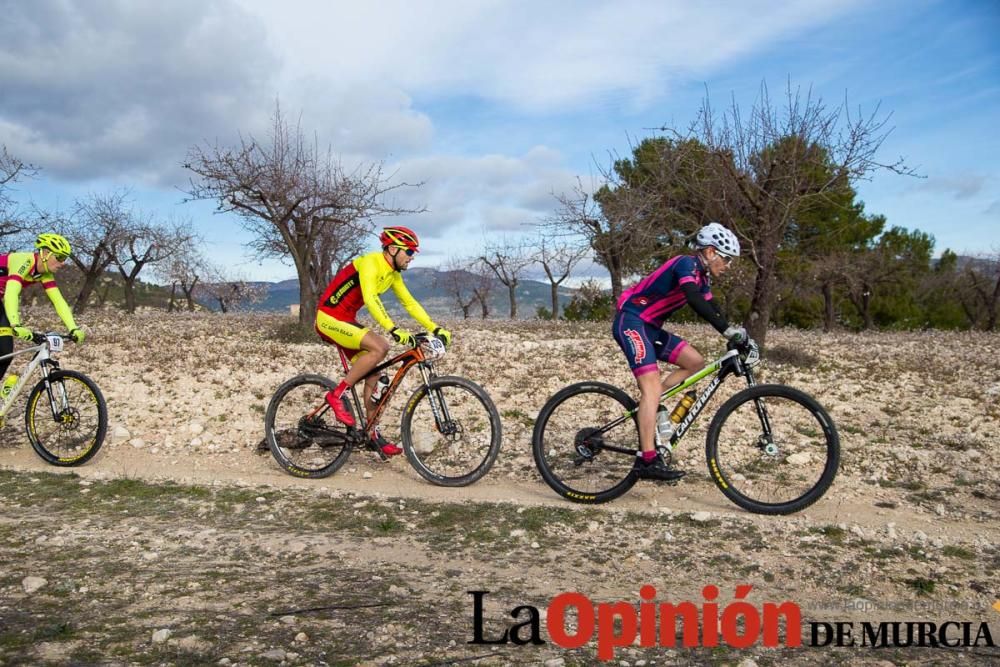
(55, 342)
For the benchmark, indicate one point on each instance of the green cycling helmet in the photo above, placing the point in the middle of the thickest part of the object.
(56, 243)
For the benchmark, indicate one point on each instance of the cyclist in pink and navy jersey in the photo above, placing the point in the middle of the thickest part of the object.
(642, 310)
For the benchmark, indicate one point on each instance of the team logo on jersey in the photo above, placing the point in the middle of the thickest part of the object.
(638, 346)
(640, 301)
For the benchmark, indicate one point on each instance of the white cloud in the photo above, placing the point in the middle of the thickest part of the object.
(528, 55)
(464, 195)
(960, 186)
(115, 88)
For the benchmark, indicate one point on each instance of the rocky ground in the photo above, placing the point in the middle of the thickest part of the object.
(180, 544)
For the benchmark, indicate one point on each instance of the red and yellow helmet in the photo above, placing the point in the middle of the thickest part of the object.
(401, 237)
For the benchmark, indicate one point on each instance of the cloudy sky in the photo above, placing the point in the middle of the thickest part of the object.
(493, 105)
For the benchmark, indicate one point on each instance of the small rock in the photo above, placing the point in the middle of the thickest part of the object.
(701, 517)
(555, 662)
(890, 530)
(195, 428)
(161, 636)
(287, 620)
(939, 509)
(120, 434)
(799, 459)
(275, 654)
(593, 527)
(301, 638)
(857, 530)
(367, 475)
(920, 536)
(535, 545)
(517, 532)
(32, 584)
(747, 662)
(138, 443)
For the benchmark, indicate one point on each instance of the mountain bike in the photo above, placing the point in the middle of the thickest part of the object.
(771, 449)
(450, 428)
(65, 414)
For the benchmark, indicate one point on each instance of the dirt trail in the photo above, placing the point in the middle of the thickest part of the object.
(907, 531)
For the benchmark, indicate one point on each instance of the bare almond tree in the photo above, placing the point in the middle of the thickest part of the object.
(293, 198)
(508, 261)
(613, 222)
(771, 162)
(458, 282)
(95, 228)
(184, 271)
(230, 292)
(147, 243)
(983, 286)
(557, 259)
(11, 170)
(483, 284)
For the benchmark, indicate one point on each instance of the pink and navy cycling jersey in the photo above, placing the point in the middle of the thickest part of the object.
(659, 294)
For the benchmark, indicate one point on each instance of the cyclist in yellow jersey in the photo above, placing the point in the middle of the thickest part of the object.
(18, 269)
(359, 284)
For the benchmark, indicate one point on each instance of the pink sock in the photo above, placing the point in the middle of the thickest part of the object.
(649, 456)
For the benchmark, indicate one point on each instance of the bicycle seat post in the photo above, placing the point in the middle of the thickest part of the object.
(343, 359)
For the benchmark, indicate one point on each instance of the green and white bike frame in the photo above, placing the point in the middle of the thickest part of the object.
(42, 360)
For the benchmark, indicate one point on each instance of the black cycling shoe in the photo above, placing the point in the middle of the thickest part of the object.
(656, 469)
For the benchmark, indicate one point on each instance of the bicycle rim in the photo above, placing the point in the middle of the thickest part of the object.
(70, 432)
(457, 446)
(575, 451)
(303, 435)
(790, 475)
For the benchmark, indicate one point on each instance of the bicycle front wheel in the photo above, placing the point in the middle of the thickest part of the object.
(301, 431)
(772, 449)
(451, 431)
(66, 418)
(577, 451)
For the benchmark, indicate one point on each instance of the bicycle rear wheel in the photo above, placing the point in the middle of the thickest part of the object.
(451, 431)
(777, 474)
(577, 454)
(303, 435)
(66, 418)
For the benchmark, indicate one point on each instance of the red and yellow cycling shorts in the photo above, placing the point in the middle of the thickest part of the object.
(346, 335)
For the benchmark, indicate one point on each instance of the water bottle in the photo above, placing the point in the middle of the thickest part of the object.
(379, 391)
(664, 427)
(687, 400)
(8, 386)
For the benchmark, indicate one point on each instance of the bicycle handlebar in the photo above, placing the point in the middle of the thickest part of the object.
(38, 337)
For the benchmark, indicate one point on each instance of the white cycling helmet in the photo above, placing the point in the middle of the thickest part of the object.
(715, 235)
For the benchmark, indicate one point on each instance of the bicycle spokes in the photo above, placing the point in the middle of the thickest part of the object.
(66, 418)
(451, 432)
(775, 453)
(307, 436)
(584, 448)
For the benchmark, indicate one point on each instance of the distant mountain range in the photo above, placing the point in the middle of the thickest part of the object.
(531, 294)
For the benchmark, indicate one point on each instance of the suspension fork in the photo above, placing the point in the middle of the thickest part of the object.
(438, 406)
(766, 441)
(62, 399)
